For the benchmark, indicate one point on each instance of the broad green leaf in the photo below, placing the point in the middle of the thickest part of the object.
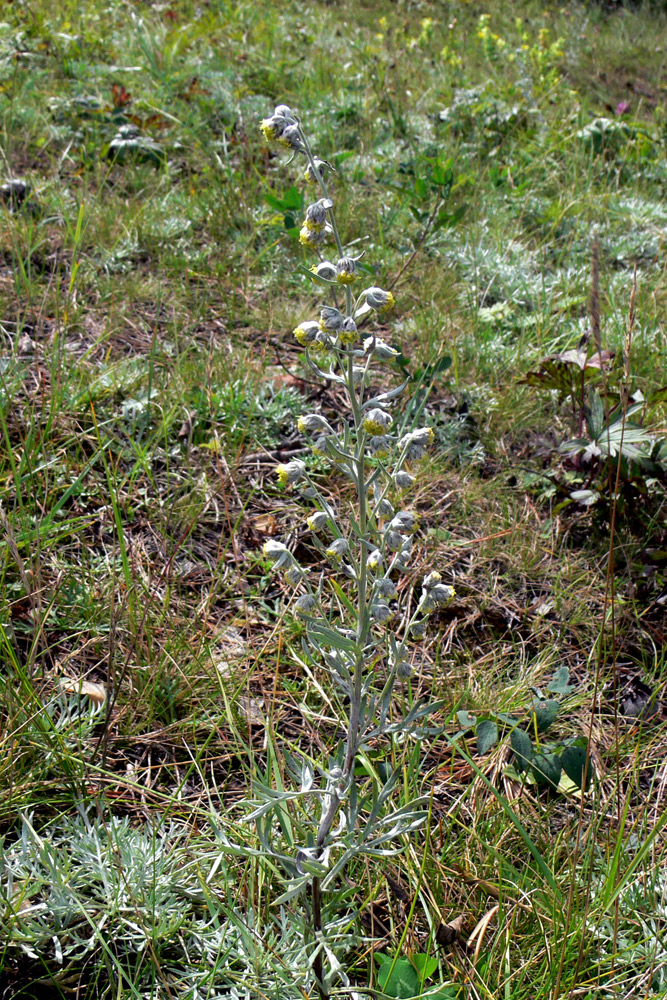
(292, 200)
(425, 965)
(487, 735)
(573, 759)
(465, 719)
(560, 682)
(401, 981)
(546, 768)
(545, 712)
(523, 748)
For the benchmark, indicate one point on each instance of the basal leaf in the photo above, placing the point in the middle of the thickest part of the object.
(487, 735)
(545, 712)
(573, 759)
(546, 768)
(402, 981)
(523, 748)
(560, 682)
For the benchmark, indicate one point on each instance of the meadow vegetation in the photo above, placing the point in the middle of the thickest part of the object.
(503, 169)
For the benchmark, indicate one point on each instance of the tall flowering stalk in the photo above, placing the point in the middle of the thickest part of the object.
(355, 627)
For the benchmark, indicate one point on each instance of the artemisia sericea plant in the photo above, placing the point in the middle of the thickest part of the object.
(355, 626)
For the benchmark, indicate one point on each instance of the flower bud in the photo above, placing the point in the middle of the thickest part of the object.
(317, 521)
(377, 421)
(284, 112)
(386, 587)
(290, 472)
(305, 605)
(359, 375)
(321, 165)
(381, 350)
(379, 445)
(415, 443)
(290, 139)
(393, 540)
(347, 271)
(307, 492)
(418, 629)
(294, 575)
(348, 331)
(311, 422)
(403, 480)
(337, 550)
(277, 552)
(403, 556)
(431, 580)
(384, 508)
(403, 669)
(379, 299)
(331, 319)
(404, 522)
(381, 612)
(348, 571)
(325, 270)
(441, 593)
(375, 561)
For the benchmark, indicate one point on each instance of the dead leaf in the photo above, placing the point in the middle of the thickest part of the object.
(448, 933)
(266, 524)
(251, 708)
(96, 692)
(231, 647)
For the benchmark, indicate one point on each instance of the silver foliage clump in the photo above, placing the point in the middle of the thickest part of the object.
(355, 625)
(149, 906)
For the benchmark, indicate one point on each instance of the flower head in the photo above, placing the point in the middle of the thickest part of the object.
(393, 540)
(418, 629)
(325, 270)
(274, 126)
(378, 299)
(381, 612)
(277, 552)
(294, 575)
(322, 167)
(414, 443)
(348, 331)
(435, 593)
(337, 550)
(305, 605)
(403, 480)
(317, 521)
(404, 521)
(375, 561)
(359, 375)
(290, 138)
(316, 214)
(380, 445)
(347, 271)
(386, 588)
(381, 350)
(311, 422)
(290, 472)
(312, 237)
(306, 334)
(331, 319)
(377, 421)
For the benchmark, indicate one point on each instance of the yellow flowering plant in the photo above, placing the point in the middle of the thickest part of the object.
(359, 630)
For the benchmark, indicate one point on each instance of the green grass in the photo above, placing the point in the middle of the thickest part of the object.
(149, 381)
